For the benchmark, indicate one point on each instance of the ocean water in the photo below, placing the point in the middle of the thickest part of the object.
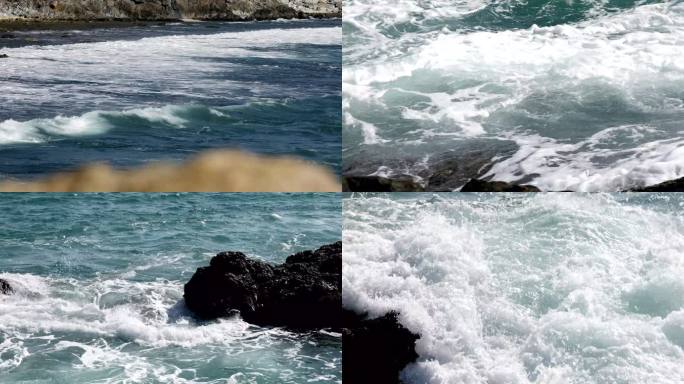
(99, 284)
(582, 95)
(137, 94)
(519, 288)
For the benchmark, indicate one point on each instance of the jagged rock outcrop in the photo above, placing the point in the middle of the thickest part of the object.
(5, 287)
(475, 185)
(212, 171)
(676, 185)
(305, 292)
(168, 9)
(375, 351)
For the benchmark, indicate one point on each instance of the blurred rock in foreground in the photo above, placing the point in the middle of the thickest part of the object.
(213, 171)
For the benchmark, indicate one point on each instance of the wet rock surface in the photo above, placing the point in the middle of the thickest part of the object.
(375, 350)
(377, 170)
(475, 185)
(5, 287)
(302, 293)
(676, 185)
(404, 183)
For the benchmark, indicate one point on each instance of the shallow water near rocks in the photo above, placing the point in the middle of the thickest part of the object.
(588, 93)
(524, 288)
(99, 284)
(164, 92)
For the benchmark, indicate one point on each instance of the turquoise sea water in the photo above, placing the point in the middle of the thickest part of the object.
(99, 281)
(581, 95)
(525, 288)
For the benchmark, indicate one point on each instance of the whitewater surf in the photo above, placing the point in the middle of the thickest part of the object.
(565, 95)
(132, 95)
(98, 288)
(524, 288)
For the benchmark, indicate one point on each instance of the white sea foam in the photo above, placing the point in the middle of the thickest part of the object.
(462, 84)
(586, 165)
(146, 313)
(98, 122)
(116, 74)
(551, 288)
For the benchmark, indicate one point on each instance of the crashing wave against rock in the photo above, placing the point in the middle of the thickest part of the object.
(169, 9)
(375, 350)
(305, 292)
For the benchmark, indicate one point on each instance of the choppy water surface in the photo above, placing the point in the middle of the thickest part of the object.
(99, 285)
(566, 95)
(509, 288)
(132, 95)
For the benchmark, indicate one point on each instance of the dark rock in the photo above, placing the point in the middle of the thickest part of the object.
(304, 292)
(5, 287)
(676, 185)
(375, 351)
(475, 185)
(402, 183)
(443, 169)
(3, 56)
(8, 36)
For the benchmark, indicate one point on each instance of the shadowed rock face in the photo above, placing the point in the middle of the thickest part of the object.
(380, 184)
(375, 350)
(302, 293)
(213, 171)
(676, 185)
(169, 9)
(5, 287)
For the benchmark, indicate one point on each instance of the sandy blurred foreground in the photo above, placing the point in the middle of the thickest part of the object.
(213, 171)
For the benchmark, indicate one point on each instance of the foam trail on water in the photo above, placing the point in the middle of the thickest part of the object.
(550, 288)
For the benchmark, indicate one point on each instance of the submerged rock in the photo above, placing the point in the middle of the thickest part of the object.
(5, 287)
(380, 184)
(304, 292)
(676, 185)
(475, 185)
(375, 350)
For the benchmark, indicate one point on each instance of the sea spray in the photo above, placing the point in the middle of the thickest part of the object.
(508, 288)
(99, 278)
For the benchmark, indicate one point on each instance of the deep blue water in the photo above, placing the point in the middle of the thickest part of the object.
(99, 280)
(133, 95)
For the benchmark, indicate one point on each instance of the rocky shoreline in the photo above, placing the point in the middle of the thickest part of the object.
(408, 184)
(166, 10)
